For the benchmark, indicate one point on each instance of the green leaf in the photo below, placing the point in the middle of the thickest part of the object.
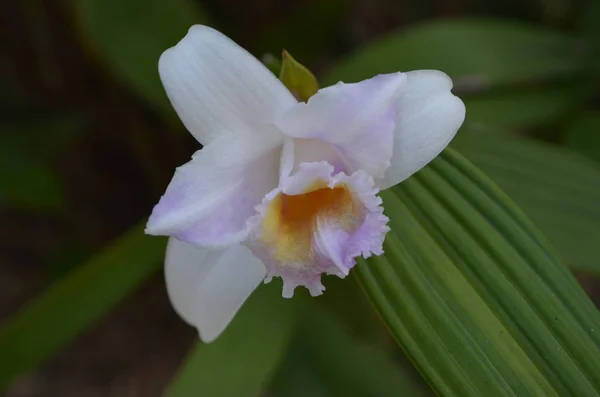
(129, 37)
(583, 135)
(476, 53)
(241, 362)
(558, 189)
(297, 378)
(345, 298)
(348, 366)
(474, 294)
(73, 304)
(526, 108)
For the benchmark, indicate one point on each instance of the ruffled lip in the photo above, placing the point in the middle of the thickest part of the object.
(341, 228)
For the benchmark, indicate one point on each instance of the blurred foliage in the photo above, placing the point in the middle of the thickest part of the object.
(526, 108)
(477, 53)
(583, 135)
(76, 301)
(588, 23)
(469, 289)
(327, 359)
(27, 149)
(129, 37)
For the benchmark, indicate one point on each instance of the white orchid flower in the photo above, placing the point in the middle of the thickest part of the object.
(283, 188)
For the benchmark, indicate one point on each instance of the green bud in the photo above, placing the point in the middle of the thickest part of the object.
(297, 78)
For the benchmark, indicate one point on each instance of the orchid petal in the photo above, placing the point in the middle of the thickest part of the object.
(357, 120)
(428, 116)
(210, 198)
(217, 87)
(208, 287)
(317, 222)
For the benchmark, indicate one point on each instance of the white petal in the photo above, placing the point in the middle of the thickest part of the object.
(428, 116)
(297, 151)
(208, 287)
(210, 198)
(217, 87)
(357, 120)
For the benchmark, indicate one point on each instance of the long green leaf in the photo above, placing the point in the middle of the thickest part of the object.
(558, 189)
(475, 52)
(241, 362)
(74, 303)
(474, 294)
(129, 37)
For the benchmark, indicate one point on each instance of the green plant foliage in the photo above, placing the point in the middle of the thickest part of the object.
(242, 360)
(34, 187)
(296, 377)
(558, 189)
(583, 135)
(72, 304)
(129, 37)
(345, 365)
(478, 53)
(540, 106)
(474, 294)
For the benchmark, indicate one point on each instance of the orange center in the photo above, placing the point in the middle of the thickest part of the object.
(290, 221)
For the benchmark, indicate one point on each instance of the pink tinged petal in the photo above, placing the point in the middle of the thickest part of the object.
(208, 287)
(428, 116)
(217, 87)
(317, 222)
(210, 198)
(356, 120)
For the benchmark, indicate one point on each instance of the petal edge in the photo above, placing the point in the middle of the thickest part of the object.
(218, 87)
(208, 287)
(428, 116)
